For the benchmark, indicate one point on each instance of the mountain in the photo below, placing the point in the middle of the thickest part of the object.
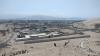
(40, 17)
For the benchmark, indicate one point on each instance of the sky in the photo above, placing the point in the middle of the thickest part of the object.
(59, 8)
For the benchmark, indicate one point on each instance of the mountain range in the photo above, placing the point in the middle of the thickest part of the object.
(41, 17)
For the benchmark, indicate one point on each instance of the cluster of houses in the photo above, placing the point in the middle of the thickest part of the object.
(34, 30)
(37, 36)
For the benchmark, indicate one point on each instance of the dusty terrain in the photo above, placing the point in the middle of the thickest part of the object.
(74, 47)
(70, 47)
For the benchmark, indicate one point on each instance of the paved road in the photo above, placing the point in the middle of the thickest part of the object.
(56, 39)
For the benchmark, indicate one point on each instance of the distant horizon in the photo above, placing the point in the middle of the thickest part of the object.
(19, 17)
(56, 8)
(26, 17)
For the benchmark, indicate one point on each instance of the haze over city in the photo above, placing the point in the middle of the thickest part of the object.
(49, 27)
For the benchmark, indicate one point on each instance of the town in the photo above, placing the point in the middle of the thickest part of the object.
(49, 27)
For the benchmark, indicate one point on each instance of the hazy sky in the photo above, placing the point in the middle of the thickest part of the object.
(61, 8)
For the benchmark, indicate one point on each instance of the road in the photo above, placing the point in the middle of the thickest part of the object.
(4, 44)
(57, 38)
